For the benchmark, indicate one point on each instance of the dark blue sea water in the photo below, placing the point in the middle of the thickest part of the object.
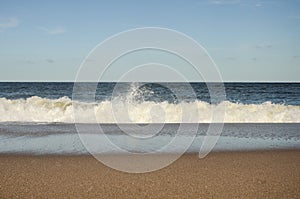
(246, 93)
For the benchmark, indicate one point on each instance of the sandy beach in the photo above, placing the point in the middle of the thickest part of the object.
(260, 174)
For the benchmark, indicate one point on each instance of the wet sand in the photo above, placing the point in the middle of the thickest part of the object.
(259, 174)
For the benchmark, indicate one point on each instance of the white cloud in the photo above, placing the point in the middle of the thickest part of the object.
(294, 17)
(254, 3)
(54, 31)
(263, 45)
(6, 23)
(221, 2)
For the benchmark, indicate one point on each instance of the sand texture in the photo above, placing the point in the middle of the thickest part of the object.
(260, 174)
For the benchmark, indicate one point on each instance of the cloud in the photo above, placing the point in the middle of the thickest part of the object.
(54, 31)
(256, 4)
(231, 58)
(222, 2)
(296, 56)
(261, 46)
(90, 60)
(6, 23)
(29, 62)
(294, 17)
(50, 61)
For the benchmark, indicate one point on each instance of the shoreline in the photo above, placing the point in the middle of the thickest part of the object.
(88, 154)
(246, 174)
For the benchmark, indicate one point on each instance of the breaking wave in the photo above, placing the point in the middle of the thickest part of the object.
(37, 109)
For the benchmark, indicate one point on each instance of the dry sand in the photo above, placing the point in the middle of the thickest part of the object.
(260, 174)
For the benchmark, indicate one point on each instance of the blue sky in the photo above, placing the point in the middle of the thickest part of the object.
(253, 40)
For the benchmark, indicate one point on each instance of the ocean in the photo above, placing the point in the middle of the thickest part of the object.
(38, 117)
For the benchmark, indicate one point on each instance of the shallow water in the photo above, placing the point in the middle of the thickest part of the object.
(60, 138)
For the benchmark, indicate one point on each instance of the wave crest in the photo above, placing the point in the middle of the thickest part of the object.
(37, 109)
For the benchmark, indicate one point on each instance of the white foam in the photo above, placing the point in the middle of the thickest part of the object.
(37, 109)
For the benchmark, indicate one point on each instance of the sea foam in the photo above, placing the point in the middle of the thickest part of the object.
(37, 109)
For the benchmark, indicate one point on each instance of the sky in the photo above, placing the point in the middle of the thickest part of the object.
(254, 40)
